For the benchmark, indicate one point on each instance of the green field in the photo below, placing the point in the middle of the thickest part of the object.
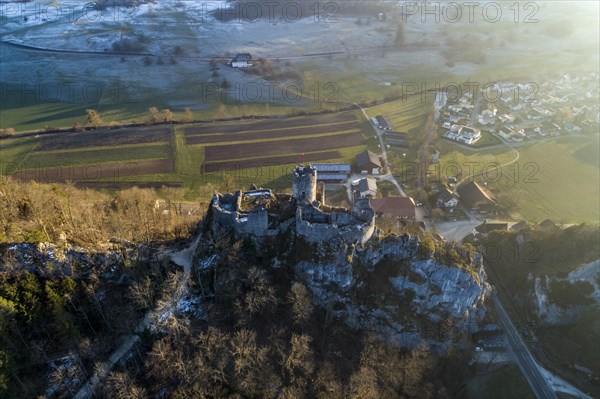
(97, 156)
(556, 179)
(407, 115)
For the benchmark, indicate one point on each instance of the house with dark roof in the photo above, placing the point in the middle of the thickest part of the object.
(368, 163)
(520, 226)
(367, 187)
(398, 207)
(476, 197)
(486, 227)
(548, 225)
(446, 198)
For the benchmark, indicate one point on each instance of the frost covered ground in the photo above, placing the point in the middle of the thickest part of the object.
(515, 49)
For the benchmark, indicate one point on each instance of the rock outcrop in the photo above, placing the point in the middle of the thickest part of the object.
(387, 286)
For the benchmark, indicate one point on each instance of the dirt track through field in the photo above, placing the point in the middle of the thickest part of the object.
(292, 146)
(94, 172)
(258, 135)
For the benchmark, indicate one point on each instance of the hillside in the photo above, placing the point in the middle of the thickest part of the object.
(244, 317)
(550, 280)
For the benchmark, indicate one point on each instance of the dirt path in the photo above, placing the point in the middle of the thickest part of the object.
(182, 258)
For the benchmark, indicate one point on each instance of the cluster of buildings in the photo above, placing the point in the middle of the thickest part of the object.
(456, 118)
(472, 195)
(516, 112)
(561, 106)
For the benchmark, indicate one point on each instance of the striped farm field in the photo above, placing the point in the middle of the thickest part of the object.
(269, 161)
(109, 171)
(271, 124)
(104, 138)
(281, 147)
(270, 134)
(38, 160)
(196, 157)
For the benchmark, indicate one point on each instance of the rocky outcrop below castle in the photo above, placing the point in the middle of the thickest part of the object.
(387, 286)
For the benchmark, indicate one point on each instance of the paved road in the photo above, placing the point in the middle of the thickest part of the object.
(525, 360)
(282, 57)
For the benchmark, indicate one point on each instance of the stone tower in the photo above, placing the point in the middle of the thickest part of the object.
(304, 183)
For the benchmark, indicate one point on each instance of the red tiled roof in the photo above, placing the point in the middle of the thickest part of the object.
(394, 206)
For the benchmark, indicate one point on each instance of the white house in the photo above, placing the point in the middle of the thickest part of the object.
(367, 187)
(446, 199)
(243, 60)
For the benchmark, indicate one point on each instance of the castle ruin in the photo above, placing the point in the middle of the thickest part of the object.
(261, 213)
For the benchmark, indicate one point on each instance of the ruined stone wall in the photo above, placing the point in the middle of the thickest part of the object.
(256, 223)
(316, 232)
(342, 219)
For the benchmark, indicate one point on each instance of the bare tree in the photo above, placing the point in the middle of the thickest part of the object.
(153, 115)
(93, 118)
(363, 384)
(119, 385)
(299, 299)
(167, 115)
(299, 364)
(142, 293)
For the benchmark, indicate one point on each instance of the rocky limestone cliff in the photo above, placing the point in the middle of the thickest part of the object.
(561, 301)
(386, 286)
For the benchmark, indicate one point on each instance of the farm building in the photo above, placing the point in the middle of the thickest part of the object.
(332, 177)
(446, 199)
(243, 60)
(475, 197)
(367, 187)
(368, 163)
(383, 123)
(332, 172)
(398, 207)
